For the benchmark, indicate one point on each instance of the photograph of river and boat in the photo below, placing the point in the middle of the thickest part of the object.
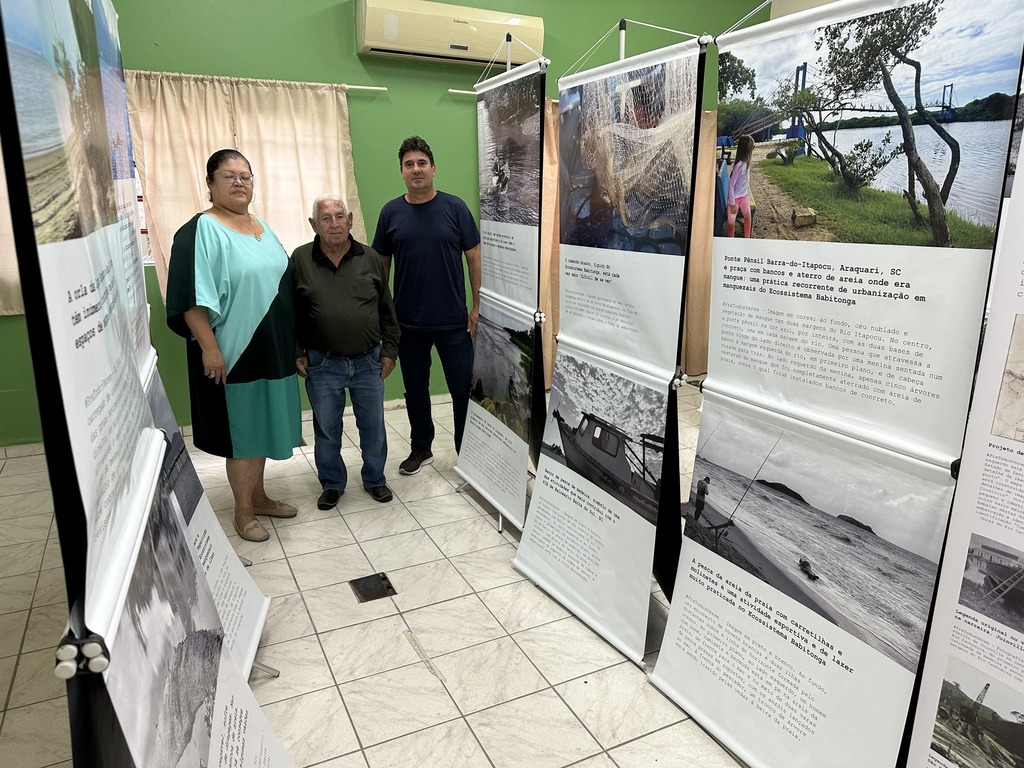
(626, 146)
(509, 145)
(55, 72)
(503, 368)
(854, 540)
(891, 128)
(168, 648)
(1008, 420)
(609, 430)
(979, 722)
(993, 583)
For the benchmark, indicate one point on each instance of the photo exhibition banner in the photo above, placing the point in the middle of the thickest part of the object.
(241, 605)
(120, 475)
(179, 696)
(854, 240)
(71, 118)
(495, 455)
(609, 456)
(969, 709)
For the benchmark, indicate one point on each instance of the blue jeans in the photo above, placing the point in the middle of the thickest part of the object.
(455, 350)
(328, 378)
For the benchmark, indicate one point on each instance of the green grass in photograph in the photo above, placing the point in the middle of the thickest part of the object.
(867, 215)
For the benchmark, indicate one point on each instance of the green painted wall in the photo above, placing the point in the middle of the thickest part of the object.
(314, 40)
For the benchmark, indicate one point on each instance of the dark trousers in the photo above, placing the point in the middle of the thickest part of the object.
(455, 350)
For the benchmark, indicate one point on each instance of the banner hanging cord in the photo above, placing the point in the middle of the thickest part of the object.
(734, 26)
(498, 52)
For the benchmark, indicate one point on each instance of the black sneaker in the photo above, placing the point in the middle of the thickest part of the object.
(416, 460)
(329, 498)
(380, 493)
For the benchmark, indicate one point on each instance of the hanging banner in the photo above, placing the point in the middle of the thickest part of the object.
(179, 697)
(846, 312)
(495, 454)
(627, 152)
(92, 302)
(969, 711)
(240, 604)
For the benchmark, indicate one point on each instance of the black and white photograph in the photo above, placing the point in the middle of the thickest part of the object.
(608, 429)
(167, 650)
(509, 119)
(503, 368)
(855, 540)
(626, 148)
(1009, 416)
(979, 722)
(993, 583)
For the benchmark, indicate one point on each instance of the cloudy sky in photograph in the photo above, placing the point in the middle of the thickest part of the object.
(975, 44)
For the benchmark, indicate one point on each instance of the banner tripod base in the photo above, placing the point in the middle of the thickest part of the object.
(266, 669)
(245, 560)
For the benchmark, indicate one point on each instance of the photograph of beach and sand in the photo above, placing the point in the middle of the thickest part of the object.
(854, 540)
(54, 57)
(509, 119)
(626, 153)
(832, 158)
(168, 648)
(609, 430)
(1008, 421)
(980, 720)
(993, 583)
(503, 369)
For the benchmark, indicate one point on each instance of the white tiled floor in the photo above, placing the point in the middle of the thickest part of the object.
(469, 665)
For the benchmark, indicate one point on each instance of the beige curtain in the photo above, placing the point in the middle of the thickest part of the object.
(11, 302)
(549, 264)
(295, 135)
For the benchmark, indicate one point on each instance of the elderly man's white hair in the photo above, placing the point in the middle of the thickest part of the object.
(328, 197)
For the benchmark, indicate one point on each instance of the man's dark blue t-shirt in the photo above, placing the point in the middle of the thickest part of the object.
(426, 242)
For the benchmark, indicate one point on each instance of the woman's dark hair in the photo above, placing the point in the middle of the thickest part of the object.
(221, 156)
(414, 144)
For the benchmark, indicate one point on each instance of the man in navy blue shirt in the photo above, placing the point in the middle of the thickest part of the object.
(426, 232)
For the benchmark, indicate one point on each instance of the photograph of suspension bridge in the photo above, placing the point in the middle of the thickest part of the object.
(891, 128)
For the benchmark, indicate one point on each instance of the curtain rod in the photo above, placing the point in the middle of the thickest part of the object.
(366, 87)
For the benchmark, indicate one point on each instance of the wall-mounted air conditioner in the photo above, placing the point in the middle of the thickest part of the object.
(425, 30)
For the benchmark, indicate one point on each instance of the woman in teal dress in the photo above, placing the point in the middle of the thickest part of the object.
(229, 294)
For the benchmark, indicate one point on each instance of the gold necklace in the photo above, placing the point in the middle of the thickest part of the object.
(248, 222)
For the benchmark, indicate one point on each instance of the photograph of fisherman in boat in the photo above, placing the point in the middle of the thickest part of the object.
(58, 92)
(993, 583)
(168, 648)
(626, 150)
(503, 368)
(509, 119)
(891, 128)
(609, 430)
(1008, 421)
(979, 722)
(852, 539)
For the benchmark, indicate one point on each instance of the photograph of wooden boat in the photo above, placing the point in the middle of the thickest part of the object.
(608, 457)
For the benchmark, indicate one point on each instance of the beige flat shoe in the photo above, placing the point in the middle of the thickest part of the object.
(252, 531)
(280, 509)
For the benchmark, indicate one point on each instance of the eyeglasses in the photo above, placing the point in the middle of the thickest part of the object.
(230, 178)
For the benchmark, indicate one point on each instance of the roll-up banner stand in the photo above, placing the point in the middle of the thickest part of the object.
(504, 397)
(129, 572)
(627, 138)
(843, 343)
(968, 711)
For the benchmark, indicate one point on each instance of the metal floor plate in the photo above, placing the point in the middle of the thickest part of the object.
(367, 588)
